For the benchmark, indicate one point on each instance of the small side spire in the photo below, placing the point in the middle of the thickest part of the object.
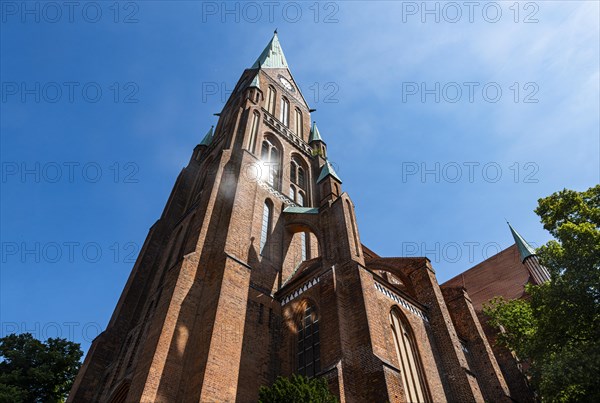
(208, 138)
(255, 81)
(525, 250)
(315, 135)
(327, 170)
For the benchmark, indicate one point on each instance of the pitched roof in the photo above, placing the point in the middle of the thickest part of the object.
(302, 268)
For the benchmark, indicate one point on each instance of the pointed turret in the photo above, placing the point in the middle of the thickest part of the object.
(329, 184)
(255, 81)
(272, 56)
(316, 142)
(529, 258)
(202, 146)
(253, 91)
(208, 138)
(525, 250)
(327, 170)
(315, 135)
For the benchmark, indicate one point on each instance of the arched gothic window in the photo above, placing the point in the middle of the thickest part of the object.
(300, 198)
(271, 96)
(309, 345)
(285, 112)
(298, 124)
(298, 182)
(408, 357)
(270, 157)
(253, 131)
(266, 225)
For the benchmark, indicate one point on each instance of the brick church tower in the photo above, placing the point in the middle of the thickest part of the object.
(256, 269)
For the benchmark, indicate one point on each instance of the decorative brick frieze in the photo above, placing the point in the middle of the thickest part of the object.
(398, 299)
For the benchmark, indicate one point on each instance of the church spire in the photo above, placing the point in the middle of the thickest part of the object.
(529, 258)
(525, 250)
(272, 56)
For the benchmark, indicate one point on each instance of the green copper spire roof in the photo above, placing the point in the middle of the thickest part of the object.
(272, 56)
(301, 210)
(315, 135)
(208, 138)
(525, 250)
(327, 170)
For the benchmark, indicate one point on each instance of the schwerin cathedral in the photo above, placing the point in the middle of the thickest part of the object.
(256, 269)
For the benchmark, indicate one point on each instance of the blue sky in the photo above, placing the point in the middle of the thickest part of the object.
(99, 117)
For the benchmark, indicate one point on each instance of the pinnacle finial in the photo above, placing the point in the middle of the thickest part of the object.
(315, 135)
(525, 250)
(208, 138)
(275, 33)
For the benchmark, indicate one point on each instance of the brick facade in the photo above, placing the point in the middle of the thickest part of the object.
(215, 306)
(503, 274)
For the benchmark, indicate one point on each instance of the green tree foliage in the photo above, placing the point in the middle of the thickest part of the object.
(557, 330)
(297, 389)
(35, 371)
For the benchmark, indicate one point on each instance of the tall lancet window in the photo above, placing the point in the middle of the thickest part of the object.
(411, 370)
(253, 131)
(298, 182)
(270, 157)
(266, 225)
(298, 124)
(309, 344)
(271, 96)
(285, 112)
